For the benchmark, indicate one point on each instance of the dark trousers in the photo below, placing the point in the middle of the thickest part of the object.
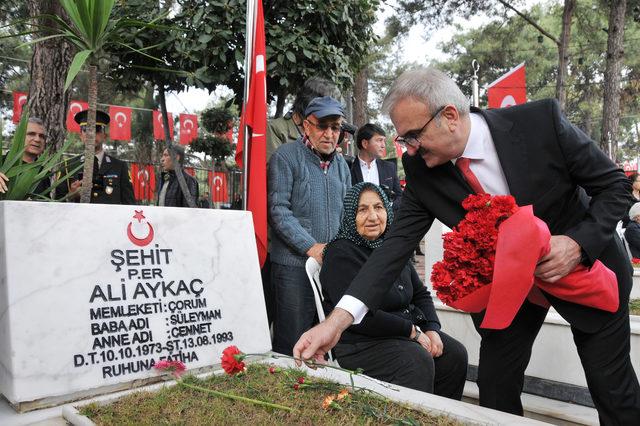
(267, 288)
(505, 354)
(295, 310)
(404, 362)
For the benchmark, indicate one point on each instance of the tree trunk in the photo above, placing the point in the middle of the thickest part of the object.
(612, 78)
(168, 145)
(90, 142)
(563, 52)
(282, 98)
(360, 96)
(49, 64)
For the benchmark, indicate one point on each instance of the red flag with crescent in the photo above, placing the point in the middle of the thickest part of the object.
(218, 185)
(508, 90)
(143, 179)
(74, 108)
(188, 128)
(255, 118)
(120, 124)
(19, 99)
(158, 126)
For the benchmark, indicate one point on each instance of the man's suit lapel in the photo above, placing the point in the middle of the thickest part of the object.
(512, 154)
(356, 171)
(381, 170)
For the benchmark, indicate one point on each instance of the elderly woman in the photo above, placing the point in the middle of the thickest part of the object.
(400, 343)
(632, 233)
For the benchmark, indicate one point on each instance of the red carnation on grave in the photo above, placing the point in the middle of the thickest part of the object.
(177, 368)
(301, 380)
(232, 360)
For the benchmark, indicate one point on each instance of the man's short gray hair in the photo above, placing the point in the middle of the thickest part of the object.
(429, 86)
(36, 120)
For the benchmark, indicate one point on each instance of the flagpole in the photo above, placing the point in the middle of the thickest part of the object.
(248, 56)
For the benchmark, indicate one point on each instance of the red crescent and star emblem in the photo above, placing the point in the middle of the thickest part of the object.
(140, 241)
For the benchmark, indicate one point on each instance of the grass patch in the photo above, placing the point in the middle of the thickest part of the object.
(177, 405)
(634, 307)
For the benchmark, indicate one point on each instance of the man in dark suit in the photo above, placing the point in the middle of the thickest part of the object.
(369, 167)
(533, 153)
(111, 180)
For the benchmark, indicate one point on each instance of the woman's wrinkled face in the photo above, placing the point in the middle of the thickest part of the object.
(371, 216)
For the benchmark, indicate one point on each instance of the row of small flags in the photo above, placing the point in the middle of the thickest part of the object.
(120, 124)
(143, 179)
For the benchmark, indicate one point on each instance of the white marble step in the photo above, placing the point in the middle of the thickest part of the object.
(547, 410)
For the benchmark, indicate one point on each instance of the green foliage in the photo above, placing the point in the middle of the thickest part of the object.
(216, 147)
(217, 120)
(24, 177)
(504, 43)
(207, 41)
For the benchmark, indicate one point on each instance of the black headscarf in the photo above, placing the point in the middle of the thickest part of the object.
(348, 229)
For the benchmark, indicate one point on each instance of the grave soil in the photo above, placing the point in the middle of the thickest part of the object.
(178, 405)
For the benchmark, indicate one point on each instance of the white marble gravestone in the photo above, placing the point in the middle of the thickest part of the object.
(92, 295)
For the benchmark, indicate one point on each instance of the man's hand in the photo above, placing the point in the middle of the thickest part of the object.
(3, 183)
(315, 343)
(562, 258)
(316, 252)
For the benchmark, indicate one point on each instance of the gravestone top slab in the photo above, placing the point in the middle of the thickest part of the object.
(92, 296)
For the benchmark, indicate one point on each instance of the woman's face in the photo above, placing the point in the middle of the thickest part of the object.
(371, 216)
(636, 183)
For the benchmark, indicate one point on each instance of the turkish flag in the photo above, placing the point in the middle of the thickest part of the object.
(74, 108)
(19, 99)
(120, 124)
(143, 178)
(188, 128)
(158, 126)
(510, 89)
(218, 185)
(255, 118)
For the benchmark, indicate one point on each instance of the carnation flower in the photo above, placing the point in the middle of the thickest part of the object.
(177, 368)
(469, 250)
(328, 401)
(232, 360)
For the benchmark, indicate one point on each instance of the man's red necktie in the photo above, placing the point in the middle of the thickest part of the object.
(463, 164)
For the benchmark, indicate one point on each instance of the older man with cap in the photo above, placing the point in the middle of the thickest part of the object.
(111, 180)
(307, 182)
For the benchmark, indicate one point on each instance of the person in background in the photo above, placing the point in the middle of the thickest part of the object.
(169, 191)
(632, 232)
(306, 184)
(34, 143)
(635, 194)
(289, 127)
(280, 131)
(369, 167)
(204, 203)
(402, 342)
(111, 178)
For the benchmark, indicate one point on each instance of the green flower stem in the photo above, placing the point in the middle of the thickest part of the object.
(236, 397)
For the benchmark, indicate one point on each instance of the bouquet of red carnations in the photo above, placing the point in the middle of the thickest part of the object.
(489, 261)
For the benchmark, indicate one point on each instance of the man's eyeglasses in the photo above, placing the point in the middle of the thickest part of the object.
(412, 139)
(323, 127)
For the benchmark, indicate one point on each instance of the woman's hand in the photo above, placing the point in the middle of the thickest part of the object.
(436, 343)
(430, 340)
